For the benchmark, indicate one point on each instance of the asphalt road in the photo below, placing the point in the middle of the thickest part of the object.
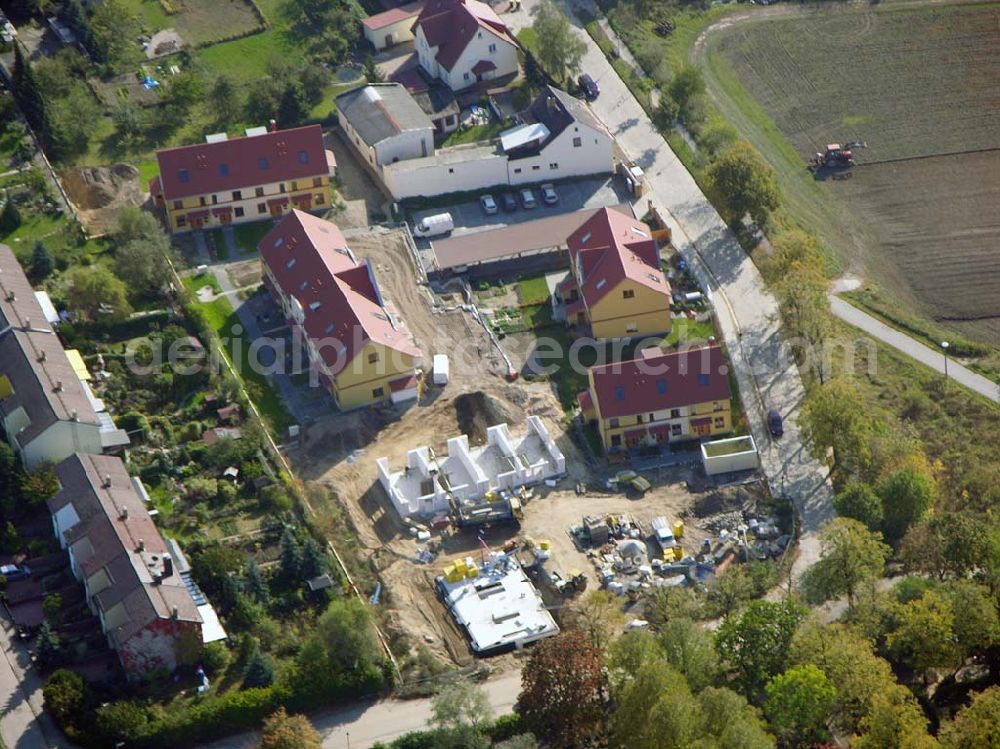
(933, 358)
(363, 724)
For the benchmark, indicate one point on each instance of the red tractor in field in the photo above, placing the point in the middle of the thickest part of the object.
(836, 157)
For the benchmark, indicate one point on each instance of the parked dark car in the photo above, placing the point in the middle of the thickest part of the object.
(774, 424)
(13, 573)
(590, 88)
(509, 202)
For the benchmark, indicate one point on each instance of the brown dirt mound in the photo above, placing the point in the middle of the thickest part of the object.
(100, 192)
(477, 412)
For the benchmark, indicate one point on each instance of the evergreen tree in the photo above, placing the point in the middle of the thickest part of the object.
(27, 92)
(73, 15)
(292, 109)
(254, 583)
(47, 644)
(259, 671)
(42, 262)
(10, 217)
(291, 555)
(230, 590)
(314, 561)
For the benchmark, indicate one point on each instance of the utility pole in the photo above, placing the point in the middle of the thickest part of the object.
(944, 348)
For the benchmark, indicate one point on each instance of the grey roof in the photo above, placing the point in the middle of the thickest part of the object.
(44, 382)
(120, 537)
(557, 110)
(382, 110)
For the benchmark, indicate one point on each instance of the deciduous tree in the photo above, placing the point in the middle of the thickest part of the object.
(799, 704)
(977, 726)
(850, 556)
(859, 501)
(895, 721)
(284, 731)
(92, 290)
(686, 84)
(689, 648)
(559, 49)
(563, 690)
(924, 637)
(730, 722)
(907, 495)
(115, 27)
(743, 184)
(948, 544)
(754, 642)
(655, 710)
(836, 418)
(347, 633)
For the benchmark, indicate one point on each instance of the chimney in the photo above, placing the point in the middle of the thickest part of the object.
(72, 415)
(168, 565)
(174, 612)
(58, 387)
(274, 126)
(107, 481)
(123, 515)
(41, 357)
(141, 545)
(11, 296)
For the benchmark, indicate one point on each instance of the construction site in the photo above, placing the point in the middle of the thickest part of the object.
(482, 513)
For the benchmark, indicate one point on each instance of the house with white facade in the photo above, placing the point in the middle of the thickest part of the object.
(559, 137)
(385, 124)
(429, 483)
(463, 42)
(394, 26)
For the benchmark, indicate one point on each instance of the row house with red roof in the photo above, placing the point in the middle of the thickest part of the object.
(357, 343)
(659, 397)
(463, 42)
(615, 286)
(263, 175)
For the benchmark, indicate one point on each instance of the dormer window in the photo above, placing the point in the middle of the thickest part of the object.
(290, 264)
(703, 380)
(620, 393)
(661, 386)
(183, 176)
(262, 163)
(303, 157)
(223, 170)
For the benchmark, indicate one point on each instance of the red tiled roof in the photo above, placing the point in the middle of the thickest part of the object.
(242, 162)
(403, 383)
(450, 25)
(611, 247)
(657, 381)
(393, 15)
(341, 302)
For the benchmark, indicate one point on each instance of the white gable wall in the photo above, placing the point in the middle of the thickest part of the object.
(504, 56)
(562, 158)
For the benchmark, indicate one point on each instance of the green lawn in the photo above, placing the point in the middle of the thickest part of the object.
(147, 170)
(686, 331)
(474, 134)
(248, 236)
(245, 60)
(533, 291)
(193, 283)
(223, 319)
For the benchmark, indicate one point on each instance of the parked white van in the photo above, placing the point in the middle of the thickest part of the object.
(433, 226)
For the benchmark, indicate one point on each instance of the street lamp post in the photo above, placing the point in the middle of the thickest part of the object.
(944, 348)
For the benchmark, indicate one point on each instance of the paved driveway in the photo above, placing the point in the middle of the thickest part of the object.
(747, 313)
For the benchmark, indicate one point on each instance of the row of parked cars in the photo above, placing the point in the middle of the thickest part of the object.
(526, 196)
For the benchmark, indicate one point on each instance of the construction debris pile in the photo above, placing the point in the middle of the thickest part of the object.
(629, 561)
